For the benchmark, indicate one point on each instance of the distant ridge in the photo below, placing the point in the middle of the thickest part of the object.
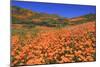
(22, 15)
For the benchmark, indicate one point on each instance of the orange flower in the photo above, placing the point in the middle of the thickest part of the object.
(77, 53)
(59, 44)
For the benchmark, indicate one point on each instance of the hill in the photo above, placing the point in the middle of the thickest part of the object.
(25, 16)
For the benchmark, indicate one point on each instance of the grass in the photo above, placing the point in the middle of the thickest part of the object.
(24, 31)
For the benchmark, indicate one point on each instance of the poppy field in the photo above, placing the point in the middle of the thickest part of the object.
(75, 44)
(38, 38)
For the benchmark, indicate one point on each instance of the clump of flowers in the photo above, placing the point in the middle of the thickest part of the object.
(75, 44)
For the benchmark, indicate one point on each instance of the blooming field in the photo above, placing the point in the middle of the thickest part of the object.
(75, 43)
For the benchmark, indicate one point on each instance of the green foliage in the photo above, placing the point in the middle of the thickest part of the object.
(55, 23)
(51, 61)
(90, 17)
(76, 59)
(16, 21)
(23, 31)
(29, 26)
